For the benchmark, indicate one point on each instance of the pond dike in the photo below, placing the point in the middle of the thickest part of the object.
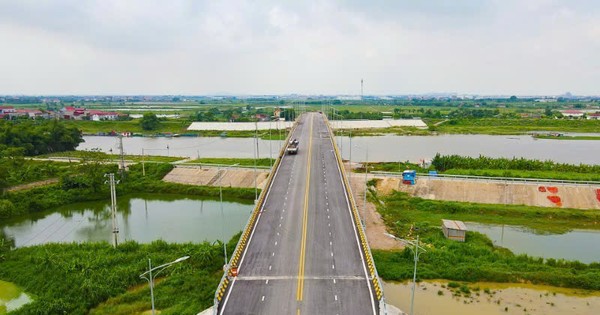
(242, 177)
(539, 194)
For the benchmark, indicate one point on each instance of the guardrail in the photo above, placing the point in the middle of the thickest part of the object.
(241, 245)
(494, 178)
(361, 232)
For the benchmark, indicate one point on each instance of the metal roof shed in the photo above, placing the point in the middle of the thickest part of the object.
(454, 230)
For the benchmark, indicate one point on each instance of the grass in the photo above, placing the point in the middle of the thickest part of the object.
(497, 126)
(540, 219)
(94, 278)
(111, 157)
(231, 161)
(526, 174)
(400, 131)
(477, 259)
(568, 137)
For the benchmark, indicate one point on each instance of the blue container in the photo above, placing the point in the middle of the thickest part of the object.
(409, 176)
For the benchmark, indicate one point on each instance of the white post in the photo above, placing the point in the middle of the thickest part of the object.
(151, 285)
(366, 188)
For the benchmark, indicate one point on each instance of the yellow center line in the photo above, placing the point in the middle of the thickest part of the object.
(299, 292)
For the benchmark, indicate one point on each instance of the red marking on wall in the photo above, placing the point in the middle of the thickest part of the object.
(556, 200)
(598, 194)
(542, 189)
(552, 189)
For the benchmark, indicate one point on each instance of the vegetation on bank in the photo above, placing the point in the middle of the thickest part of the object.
(232, 161)
(477, 259)
(567, 137)
(87, 183)
(445, 162)
(113, 158)
(94, 278)
(512, 126)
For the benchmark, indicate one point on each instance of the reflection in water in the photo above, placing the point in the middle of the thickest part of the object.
(432, 299)
(582, 245)
(143, 218)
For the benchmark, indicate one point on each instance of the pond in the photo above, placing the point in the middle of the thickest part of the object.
(433, 299)
(141, 217)
(581, 245)
(389, 148)
(11, 297)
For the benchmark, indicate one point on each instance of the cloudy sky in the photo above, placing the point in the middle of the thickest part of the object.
(510, 47)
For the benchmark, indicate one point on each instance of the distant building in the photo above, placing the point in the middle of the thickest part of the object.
(572, 113)
(97, 115)
(454, 230)
(595, 116)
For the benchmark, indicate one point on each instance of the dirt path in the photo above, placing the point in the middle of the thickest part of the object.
(33, 185)
(213, 176)
(375, 225)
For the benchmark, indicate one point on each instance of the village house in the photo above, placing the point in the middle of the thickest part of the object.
(572, 113)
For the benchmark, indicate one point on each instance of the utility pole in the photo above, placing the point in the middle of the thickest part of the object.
(143, 164)
(122, 162)
(113, 207)
(361, 90)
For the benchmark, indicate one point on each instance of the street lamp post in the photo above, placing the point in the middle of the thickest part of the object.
(366, 188)
(150, 277)
(416, 259)
(223, 215)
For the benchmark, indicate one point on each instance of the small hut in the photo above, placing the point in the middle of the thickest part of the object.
(454, 230)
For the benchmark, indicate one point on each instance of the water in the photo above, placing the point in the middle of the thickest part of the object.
(507, 298)
(581, 245)
(194, 147)
(142, 218)
(11, 297)
(389, 148)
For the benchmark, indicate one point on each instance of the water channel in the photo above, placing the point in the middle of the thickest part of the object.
(581, 245)
(388, 148)
(141, 217)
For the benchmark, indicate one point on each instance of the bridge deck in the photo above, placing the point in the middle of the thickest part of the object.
(304, 255)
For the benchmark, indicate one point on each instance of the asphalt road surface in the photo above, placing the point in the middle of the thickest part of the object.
(303, 256)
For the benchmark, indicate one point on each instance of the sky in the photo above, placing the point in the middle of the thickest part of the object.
(398, 47)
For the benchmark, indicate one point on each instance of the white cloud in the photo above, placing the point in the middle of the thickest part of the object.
(320, 47)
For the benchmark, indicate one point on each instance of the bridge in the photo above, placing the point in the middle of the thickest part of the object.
(303, 250)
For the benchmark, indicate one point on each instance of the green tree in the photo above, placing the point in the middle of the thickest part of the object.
(149, 121)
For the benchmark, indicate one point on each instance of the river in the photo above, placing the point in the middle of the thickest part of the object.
(388, 148)
(141, 217)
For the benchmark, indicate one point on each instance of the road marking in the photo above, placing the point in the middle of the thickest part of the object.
(335, 297)
(263, 298)
(273, 254)
(267, 282)
(332, 266)
(276, 241)
(300, 289)
(270, 267)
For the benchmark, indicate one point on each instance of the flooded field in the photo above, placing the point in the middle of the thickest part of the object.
(434, 298)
